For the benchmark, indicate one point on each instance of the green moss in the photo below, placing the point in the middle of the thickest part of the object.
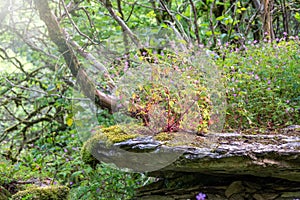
(4, 194)
(110, 135)
(164, 136)
(43, 193)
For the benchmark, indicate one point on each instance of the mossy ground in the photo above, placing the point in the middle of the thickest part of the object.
(43, 193)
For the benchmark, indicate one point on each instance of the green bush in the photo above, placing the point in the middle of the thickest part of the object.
(107, 183)
(263, 85)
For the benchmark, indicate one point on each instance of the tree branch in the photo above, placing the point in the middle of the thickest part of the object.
(57, 36)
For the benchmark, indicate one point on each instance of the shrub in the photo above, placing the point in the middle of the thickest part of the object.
(263, 85)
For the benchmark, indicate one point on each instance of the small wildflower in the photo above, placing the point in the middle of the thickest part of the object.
(256, 77)
(200, 196)
(234, 95)
(285, 33)
(65, 150)
(269, 88)
(71, 183)
(287, 101)
(75, 148)
(269, 82)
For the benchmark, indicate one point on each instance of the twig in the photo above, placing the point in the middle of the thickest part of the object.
(75, 26)
(195, 21)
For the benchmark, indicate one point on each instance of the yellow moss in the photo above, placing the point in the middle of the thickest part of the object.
(110, 135)
(43, 193)
(164, 136)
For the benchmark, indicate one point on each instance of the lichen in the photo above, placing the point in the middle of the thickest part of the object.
(43, 193)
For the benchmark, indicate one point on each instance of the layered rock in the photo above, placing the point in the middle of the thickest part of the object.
(222, 166)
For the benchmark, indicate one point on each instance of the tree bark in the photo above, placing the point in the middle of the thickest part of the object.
(57, 36)
(267, 19)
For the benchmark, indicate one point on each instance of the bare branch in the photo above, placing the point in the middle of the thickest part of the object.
(124, 26)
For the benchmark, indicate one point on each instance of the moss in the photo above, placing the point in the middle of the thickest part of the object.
(43, 193)
(164, 136)
(4, 194)
(110, 135)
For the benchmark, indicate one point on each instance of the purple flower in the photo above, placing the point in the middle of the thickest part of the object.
(269, 82)
(71, 183)
(74, 148)
(234, 95)
(256, 77)
(285, 33)
(65, 150)
(201, 196)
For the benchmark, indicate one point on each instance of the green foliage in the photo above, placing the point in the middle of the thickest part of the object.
(4, 193)
(263, 87)
(105, 182)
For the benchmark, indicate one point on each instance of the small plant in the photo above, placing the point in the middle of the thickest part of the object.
(106, 182)
(167, 97)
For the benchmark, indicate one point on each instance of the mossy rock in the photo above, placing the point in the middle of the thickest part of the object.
(110, 135)
(4, 193)
(43, 193)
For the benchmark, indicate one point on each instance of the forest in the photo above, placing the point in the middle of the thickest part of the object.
(72, 68)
